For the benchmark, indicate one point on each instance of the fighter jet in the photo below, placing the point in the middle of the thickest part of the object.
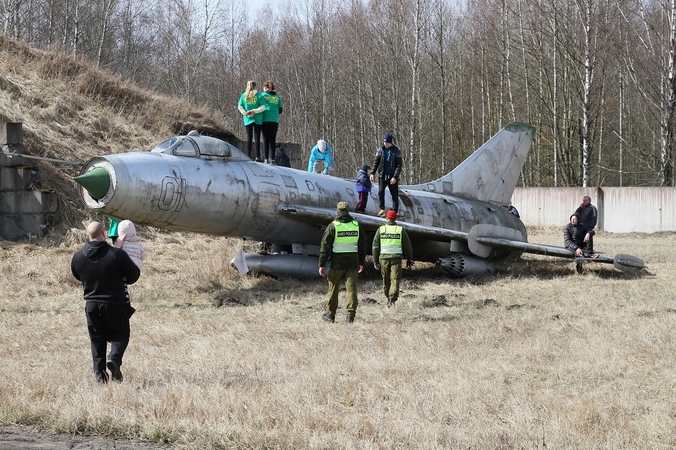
(201, 184)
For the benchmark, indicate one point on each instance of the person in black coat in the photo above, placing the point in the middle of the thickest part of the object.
(387, 166)
(104, 270)
(588, 215)
(577, 237)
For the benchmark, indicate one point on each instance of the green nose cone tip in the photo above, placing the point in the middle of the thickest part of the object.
(96, 182)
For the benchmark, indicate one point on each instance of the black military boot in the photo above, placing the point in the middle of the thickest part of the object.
(326, 317)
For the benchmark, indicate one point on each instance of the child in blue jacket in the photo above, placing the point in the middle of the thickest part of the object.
(363, 187)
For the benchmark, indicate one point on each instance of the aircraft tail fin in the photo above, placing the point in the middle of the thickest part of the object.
(492, 171)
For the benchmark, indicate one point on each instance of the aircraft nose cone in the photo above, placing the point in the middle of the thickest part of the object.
(96, 182)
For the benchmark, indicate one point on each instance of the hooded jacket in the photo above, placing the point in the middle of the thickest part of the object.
(103, 271)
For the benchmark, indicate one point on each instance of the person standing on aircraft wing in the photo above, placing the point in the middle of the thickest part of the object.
(576, 237)
(344, 245)
(390, 245)
(388, 163)
(321, 155)
(251, 106)
(363, 187)
(588, 216)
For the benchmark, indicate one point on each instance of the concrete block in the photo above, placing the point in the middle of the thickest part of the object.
(9, 229)
(27, 202)
(11, 134)
(12, 160)
(21, 226)
(17, 179)
(35, 224)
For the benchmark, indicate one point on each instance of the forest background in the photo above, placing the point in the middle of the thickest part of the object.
(596, 77)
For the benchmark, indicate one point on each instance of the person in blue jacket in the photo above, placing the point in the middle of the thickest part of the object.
(363, 187)
(321, 155)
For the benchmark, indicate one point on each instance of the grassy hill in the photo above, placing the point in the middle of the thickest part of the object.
(70, 110)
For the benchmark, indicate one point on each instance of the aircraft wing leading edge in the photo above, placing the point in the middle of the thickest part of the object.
(323, 216)
(625, 263)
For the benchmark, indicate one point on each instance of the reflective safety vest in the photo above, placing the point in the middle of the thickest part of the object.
(390, 240)
(347, 237)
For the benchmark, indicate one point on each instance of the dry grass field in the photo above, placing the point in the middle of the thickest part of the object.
(535, 357)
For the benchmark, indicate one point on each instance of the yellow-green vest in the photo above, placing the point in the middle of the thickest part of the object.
(347, 237)
(390, 240)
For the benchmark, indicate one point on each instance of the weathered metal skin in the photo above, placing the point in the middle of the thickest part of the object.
(201, 184)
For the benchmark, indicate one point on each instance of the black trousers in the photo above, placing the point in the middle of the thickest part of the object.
(269, 140)
(107, 322)
(253, 133)
(383, 182)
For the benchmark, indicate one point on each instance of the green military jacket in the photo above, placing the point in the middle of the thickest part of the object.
(407, 248)
(341, 261)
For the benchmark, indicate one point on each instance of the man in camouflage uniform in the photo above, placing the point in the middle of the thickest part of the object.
(390, 245)
(344, 245)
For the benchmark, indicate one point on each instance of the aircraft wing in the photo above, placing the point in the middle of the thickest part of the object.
(324, 216)
(626, 263)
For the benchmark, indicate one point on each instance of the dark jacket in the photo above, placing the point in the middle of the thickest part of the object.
(388, 162)
(573, 236)
(281, 159)
(588, 215)
(342, 261)
(363, 181)
(103, 271)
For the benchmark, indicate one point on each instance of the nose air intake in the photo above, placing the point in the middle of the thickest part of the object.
(96, 182)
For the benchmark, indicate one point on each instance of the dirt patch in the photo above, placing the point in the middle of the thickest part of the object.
(27, 438)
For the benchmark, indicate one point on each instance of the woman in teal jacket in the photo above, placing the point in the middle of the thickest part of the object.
(251, 106)
(273, 108)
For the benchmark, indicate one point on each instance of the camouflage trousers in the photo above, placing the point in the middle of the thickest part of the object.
(390, 269)
(335, 277)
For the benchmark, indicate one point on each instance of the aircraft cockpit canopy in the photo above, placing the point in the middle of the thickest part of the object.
(194, 145)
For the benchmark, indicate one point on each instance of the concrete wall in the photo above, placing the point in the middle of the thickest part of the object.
(621, 210)
(26, 209)
(292, 151)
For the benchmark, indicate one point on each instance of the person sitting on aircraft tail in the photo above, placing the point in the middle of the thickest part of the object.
(390, 245)
(388, 163)
(576, 238)
(344, 246)
(281, 159)
(513, 210)
(321, 155)
(363, 187)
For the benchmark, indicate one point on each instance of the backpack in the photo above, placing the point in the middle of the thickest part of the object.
(280, 157)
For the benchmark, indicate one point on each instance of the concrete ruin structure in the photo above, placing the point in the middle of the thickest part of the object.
(26, 208)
